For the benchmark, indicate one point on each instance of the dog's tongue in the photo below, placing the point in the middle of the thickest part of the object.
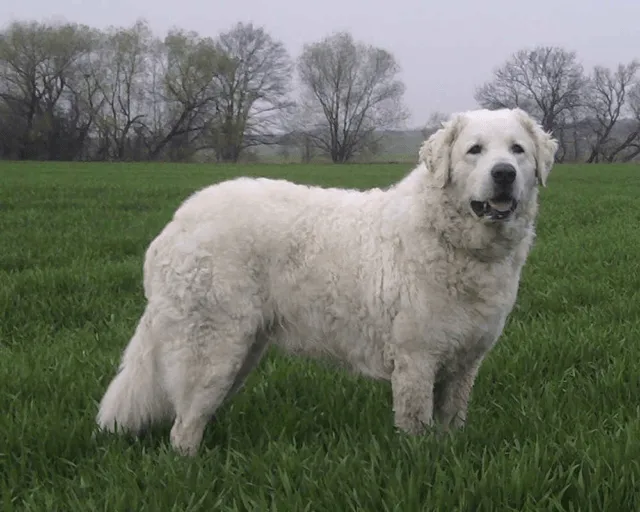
(501, 206)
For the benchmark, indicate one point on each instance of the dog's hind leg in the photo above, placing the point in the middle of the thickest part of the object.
(202, 370)
(254, 356)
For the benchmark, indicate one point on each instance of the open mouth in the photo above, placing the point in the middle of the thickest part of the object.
(494, 209)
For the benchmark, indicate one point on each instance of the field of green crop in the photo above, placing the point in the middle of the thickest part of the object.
(554, 422)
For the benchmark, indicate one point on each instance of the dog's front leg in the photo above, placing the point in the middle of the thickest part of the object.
(451, 397)
(412, 385)
(413, 372)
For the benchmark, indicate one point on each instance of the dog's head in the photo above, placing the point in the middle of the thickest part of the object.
(492, 160)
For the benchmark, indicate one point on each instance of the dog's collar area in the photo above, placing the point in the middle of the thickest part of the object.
(494, 209)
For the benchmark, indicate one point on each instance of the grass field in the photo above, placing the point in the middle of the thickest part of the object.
(554, 422)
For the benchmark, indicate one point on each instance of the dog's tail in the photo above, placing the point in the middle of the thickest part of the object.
(135, 397)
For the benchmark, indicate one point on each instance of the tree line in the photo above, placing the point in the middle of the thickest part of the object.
(594, 115)
(73, 92)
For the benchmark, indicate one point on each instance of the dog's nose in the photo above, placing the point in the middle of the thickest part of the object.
(503, 174)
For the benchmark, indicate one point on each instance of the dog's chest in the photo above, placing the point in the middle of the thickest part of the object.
(479, 299)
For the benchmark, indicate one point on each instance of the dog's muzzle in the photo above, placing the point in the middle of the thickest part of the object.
(502, 205)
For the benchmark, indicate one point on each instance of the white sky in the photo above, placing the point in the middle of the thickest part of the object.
(445, 48)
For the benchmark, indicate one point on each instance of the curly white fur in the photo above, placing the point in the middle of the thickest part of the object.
(405, 284)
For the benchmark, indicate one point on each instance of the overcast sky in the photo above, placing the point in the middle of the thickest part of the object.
(445, 47)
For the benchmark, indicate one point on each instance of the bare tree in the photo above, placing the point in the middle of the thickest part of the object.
(608, 104)
(254, 83)
(38, 65)
(22, 52)
(350, 94)
(121, 75)
(191, 90)
(80, 106)
(629, 146)
(546, 81)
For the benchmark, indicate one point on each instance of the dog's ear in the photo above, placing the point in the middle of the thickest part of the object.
(435, 152)
(546, 146)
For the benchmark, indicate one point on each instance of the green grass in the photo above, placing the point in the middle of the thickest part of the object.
(554, 422)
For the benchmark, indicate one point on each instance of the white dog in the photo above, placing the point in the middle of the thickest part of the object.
(412, 284)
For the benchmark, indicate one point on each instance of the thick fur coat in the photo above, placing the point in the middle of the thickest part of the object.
(411, 284)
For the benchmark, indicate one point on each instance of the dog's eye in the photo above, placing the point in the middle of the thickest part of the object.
(517, 148)
(474, 150)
